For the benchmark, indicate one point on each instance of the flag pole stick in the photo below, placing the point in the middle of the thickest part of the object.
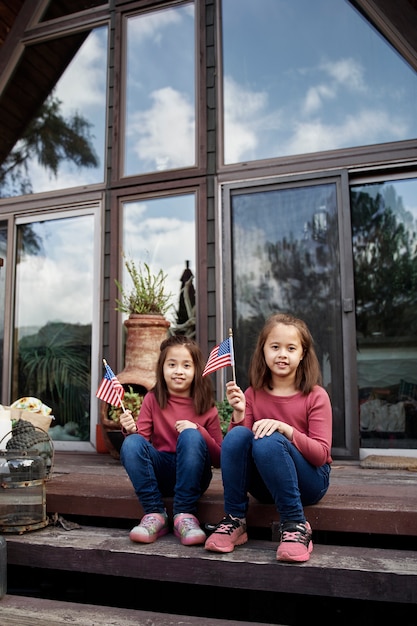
(120, 397)
(232, 354)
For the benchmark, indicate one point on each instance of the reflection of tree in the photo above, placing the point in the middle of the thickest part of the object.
(385, 258)
(29, 242)
(302, 279)
(54, 366)
(50, 138)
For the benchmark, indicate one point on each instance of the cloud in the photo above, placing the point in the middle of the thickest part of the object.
(163, 136)
(336, 111)
(83, 84)
(149, 26)
(365, 127)
(49, 287)
(344, 74)
(347, 72)
(244, 114)
(68, 176)
(315, 96)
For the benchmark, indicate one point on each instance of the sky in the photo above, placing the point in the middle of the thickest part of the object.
(312, 76)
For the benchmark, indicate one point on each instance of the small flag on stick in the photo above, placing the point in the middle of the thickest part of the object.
(111, 389)
(221, 356)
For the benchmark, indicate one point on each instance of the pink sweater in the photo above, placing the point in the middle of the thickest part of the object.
(158, 425)
(309, 415)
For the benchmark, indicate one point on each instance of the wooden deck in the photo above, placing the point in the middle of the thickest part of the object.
(365, 551)
(370, 501)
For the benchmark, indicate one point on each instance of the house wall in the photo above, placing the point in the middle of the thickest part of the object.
(208, 178)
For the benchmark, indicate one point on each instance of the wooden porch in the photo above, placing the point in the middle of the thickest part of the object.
(365, 551)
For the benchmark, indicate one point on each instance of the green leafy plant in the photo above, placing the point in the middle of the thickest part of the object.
(148, 294)
(132, 400)
(225, 414)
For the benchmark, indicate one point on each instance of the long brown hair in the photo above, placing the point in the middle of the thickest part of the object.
(202, 391)
(308, 371)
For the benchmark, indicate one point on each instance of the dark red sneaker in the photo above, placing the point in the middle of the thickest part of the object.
(295, 542)
(230, 532)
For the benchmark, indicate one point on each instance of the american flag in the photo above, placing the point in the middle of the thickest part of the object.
(111, 389)
(220, 356)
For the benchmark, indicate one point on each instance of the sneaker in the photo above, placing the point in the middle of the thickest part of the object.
(152, 526)
(187, 528)
(228, 533)
(295, 542)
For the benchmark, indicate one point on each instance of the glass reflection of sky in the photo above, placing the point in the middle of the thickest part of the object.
(160, 90)
(281, 214)
(403, 191)
(82, 90)
(312, 76)
(161, 233)
(55, 284)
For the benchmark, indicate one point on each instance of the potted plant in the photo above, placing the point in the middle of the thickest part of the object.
(146, 303)
(147, 296)
(132, 400)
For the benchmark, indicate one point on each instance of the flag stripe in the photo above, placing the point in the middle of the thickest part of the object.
(220, 356)
(111, 389)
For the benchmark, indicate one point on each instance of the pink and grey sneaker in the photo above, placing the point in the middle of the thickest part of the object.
(230, 532)
(151, 526)
(295, 542)
(187, 528)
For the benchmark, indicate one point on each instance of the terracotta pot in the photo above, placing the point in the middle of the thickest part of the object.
(145, 334)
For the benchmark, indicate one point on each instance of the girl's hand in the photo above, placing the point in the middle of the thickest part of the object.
(237, 401)
(128, 423)
(181, 425)
(264, 428)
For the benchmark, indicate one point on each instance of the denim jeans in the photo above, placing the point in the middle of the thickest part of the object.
(185, 474)
(271, 469)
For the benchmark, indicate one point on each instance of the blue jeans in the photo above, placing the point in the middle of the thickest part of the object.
(271, 469)
(185, 474)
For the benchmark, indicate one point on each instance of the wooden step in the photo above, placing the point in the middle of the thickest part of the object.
(372, 574)
(29, 611)
(358, 500)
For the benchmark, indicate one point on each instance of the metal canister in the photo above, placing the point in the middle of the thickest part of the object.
(22, 491)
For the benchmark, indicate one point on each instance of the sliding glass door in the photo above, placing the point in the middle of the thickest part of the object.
(54, 315)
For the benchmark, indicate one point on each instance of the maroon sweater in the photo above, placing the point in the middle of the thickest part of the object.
(309, 415)
(158, 425)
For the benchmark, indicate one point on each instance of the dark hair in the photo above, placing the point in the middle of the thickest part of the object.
(308, 372)
(202, 391)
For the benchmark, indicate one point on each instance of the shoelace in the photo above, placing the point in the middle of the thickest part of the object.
(150, 523)
(186, 524)
(298, 535)
(227, 526)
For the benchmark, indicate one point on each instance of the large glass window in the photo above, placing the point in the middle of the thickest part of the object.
(63, 144)
(160, 83)
(161, 233)
(54, 315)
(302, 77)
(285, 257)
(384, 237)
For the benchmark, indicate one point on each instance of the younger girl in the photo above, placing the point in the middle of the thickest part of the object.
(171, 447)
(279, 439)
